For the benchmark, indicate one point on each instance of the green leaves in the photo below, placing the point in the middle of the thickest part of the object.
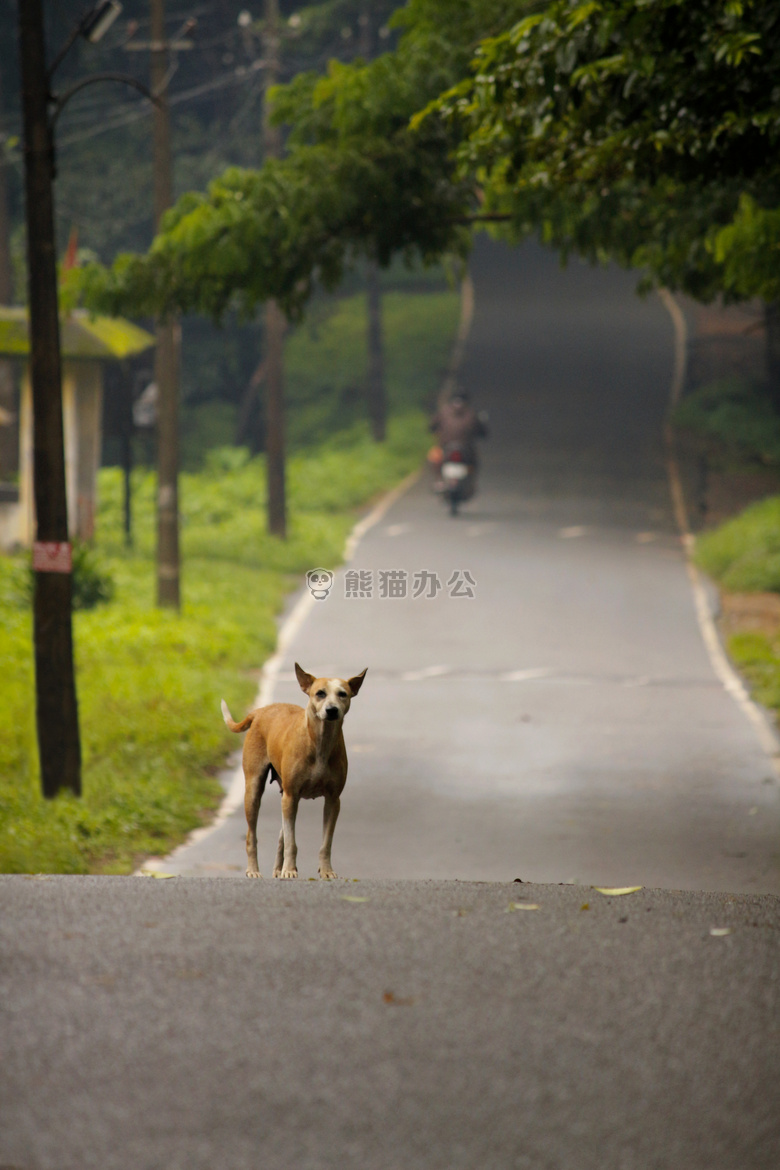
(622, 128)
(631, 128)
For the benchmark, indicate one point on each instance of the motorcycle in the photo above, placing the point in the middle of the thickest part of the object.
(457, 476)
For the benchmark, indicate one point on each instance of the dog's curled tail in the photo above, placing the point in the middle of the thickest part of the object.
(242, 726)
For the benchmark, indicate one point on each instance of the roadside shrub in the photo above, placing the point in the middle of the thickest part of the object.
(93, 584)
(737, 413)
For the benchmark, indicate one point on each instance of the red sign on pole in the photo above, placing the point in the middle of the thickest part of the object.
(52, 556)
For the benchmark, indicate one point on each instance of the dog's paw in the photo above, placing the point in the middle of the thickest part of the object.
(254, 873)
(327, 875)
(288, 873)
(277, 873)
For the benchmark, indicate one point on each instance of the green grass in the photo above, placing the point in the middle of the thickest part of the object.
(149, 681)
(758, 657)
(743, 555)
(326, 369)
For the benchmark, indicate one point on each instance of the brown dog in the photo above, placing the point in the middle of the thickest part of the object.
(303, 750)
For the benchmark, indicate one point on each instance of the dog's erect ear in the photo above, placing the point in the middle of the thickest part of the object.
(356, 683)
(305, 680)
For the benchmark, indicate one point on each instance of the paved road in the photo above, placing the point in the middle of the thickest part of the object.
(203, 1024)
(565, 723)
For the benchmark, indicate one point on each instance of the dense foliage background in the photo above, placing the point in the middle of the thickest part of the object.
(104, 179)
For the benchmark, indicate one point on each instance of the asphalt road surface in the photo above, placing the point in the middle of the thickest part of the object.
(232, 1025)
(565, 722)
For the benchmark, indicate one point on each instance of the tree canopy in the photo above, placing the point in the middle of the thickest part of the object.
(642, 130)
(629, 128)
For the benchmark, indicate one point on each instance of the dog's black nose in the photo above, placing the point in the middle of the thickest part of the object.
(331, 712)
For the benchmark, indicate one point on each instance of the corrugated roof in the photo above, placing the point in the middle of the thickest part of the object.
(81, 335)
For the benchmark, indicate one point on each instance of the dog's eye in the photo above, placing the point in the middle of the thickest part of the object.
(320, 695)
(342, 694)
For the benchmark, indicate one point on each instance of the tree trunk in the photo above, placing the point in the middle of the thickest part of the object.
(377, 401)
(166, 365)
(275, 324)
(376, 398)
(274, 380)
(248, 401)
(772, 322)
(56, 706)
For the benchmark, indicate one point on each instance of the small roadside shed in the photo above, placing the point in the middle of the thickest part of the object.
(87, 342)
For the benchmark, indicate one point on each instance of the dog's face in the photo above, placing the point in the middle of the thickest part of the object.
(329, 698)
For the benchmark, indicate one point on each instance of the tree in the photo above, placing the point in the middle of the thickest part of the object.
(623, 129)
(357, 183)
(646, 132)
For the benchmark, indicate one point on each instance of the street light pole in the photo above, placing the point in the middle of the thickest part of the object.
(56, 707)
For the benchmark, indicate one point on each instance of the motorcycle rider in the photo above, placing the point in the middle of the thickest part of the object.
(457, 424)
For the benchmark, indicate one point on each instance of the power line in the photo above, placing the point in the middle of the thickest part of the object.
(237, 77)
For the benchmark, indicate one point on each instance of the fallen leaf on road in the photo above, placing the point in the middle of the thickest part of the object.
(389, 997)
(459, 913)
(720, 931)
(521, 906)
(616, 891)
(156, 873)
(585, 906)
(350, 898)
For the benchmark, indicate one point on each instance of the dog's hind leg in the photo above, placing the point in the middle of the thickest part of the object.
(289, 811)
(330, 815)
(253, 794)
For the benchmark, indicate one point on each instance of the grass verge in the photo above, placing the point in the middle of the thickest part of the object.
(149, 681)
(743, 556)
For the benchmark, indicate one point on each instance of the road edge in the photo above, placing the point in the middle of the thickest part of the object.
(722, 667)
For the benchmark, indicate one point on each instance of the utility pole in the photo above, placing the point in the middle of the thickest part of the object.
(275, 324)
(376, 395)
(9, 431)
(166, 363)
(55, 684)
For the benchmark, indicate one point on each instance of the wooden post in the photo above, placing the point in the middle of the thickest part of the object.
(166, 365)
(56, 707)
(275, 324)
(376, 392)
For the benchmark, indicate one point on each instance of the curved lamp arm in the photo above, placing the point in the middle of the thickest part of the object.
(61, 101)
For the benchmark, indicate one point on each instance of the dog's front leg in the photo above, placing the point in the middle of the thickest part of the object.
(279, 854)
(289, 812)
(330, 814)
